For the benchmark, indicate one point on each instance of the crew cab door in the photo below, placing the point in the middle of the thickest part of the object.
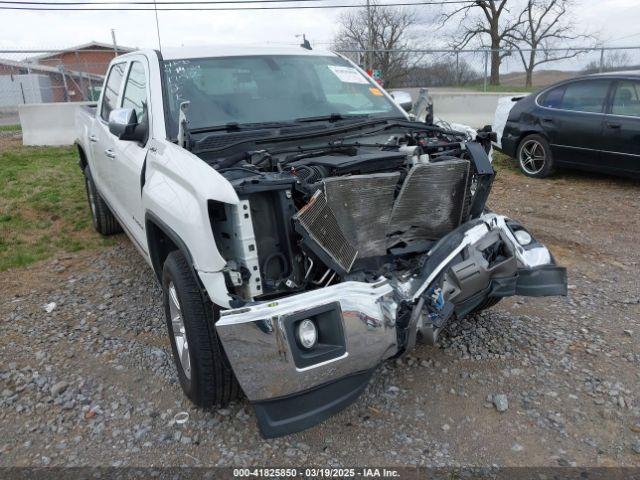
(130, 156)
(101, 139)
(621, 148)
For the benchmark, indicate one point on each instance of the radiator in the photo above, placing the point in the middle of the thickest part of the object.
(360, 216)
(321, 232)
(362, 205)
(432, 201)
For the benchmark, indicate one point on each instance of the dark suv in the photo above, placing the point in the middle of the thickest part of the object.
(590, 123)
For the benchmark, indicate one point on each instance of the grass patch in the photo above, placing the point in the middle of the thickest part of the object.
(502, 162)
(10, 128)
(43, 207)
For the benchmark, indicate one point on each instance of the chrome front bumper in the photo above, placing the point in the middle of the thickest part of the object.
(260, 344)
(261, 354)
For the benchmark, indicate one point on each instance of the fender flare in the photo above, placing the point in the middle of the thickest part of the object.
(151, 219)
(83, 161)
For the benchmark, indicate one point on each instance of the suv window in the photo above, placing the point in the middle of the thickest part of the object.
(585, 96)
(626, 100)
(135, 92)
(111, 90)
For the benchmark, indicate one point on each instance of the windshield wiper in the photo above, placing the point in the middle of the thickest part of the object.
(237, 127)
(332, 117)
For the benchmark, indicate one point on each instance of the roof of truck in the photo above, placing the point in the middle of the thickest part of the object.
(237, 51)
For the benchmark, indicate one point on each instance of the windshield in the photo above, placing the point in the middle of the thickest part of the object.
(257, 89)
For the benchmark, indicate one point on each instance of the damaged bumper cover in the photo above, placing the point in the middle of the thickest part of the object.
(292, 388)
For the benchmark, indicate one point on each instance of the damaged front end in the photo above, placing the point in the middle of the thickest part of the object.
(343, 255)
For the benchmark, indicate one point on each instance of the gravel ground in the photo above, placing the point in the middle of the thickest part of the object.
(86, 376)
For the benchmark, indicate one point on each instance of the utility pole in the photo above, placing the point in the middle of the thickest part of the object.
(486, 68)
(115, 45)
(155, 9)
(369, 38)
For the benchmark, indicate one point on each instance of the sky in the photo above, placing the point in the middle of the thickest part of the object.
(616, 21)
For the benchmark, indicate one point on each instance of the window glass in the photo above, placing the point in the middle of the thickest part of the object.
(111, 90)
(275, 88)
(585, 96)
(626, 100)
(553, 98)
(135, 92)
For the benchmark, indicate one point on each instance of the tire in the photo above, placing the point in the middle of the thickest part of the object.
(487, 303)
(205, 374)
(534, 156)
(104, 221)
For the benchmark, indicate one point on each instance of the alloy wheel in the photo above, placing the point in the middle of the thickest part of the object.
(532, 157)
(179, 333)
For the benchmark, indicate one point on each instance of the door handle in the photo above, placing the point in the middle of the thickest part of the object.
(110, 153)
(93, 138)
(547, 120)
(614, 125)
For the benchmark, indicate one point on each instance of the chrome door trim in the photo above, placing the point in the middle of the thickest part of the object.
(592, 150)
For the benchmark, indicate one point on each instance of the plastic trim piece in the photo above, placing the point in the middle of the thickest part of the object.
(542, 281)
(285, 415)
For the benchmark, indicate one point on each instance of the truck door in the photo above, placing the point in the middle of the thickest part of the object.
(130, 155)
(102, 141)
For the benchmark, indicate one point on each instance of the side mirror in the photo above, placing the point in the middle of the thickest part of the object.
(123, 123)
(403, 99)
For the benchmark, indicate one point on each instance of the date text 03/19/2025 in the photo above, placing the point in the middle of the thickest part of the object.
(316, 472)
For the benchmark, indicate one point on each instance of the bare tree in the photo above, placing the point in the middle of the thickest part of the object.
(490, 23)
(390, 35)
(442, 73)
(611, 61)
(545, 25)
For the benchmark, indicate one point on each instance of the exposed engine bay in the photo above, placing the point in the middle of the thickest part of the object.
(345, 252)
(354, 209)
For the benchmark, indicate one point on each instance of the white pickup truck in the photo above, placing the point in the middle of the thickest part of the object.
(303, 226)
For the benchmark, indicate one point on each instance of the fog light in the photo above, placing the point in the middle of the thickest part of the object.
(523, 237)
(307, 334)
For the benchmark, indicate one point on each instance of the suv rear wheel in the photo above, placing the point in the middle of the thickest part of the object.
(534, 156)
(103, 220)
(203, 368)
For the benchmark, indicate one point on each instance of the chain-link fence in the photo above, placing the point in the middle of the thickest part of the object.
(471, 68)
(76, 74)
(52, 75)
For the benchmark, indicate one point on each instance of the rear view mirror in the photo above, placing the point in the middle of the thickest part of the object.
(123, 123)
(403, 99)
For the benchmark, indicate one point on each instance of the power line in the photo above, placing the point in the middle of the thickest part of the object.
(192, 2)
(625, 37)
(197, 8)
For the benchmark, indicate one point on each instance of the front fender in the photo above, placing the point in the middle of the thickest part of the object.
(176, 190)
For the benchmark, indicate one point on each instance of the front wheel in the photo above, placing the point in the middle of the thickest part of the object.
(534, 156)
(203, 368)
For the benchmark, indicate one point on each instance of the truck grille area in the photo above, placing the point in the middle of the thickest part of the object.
(361, 216)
